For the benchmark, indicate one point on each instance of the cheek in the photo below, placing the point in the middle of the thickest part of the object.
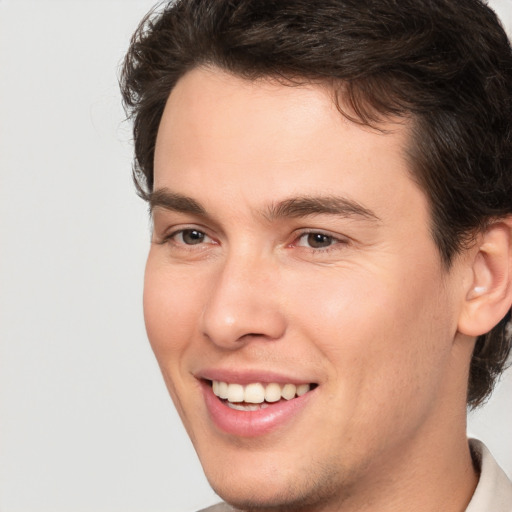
(385, 330)
(170, 311)
(385, 359)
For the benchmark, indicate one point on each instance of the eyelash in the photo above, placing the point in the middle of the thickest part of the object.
(171, 237)
(334, 241)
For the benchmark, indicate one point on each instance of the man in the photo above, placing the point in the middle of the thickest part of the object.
(329, 282)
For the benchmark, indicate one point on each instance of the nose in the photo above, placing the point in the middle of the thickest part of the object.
(243, 303)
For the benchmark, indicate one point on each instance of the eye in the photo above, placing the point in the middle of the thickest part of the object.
(190, 237)
(316, 240)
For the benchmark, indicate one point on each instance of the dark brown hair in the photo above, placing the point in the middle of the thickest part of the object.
(444, 64)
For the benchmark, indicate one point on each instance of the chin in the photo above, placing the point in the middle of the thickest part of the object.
(270, 487)
(289, 499)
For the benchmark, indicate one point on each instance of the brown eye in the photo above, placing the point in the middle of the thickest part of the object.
(319, 240)
(191, 236)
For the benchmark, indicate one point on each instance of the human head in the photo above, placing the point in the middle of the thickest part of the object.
(446, 65)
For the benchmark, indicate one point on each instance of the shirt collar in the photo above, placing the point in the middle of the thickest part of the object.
(494, 489)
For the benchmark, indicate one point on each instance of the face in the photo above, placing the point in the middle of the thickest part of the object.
(294, 297)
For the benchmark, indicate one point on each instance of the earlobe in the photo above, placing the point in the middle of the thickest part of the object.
(489, 295)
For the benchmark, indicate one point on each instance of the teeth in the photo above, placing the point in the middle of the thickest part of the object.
(289, 391)
(303, 389)
(222, 390)
(248, 407)
(257, 393)
(254, 394)
(235, 393)
(273, 393)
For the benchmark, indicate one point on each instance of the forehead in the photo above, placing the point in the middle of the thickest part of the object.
(229, 136)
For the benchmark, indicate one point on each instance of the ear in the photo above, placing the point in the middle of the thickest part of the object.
(489, 293)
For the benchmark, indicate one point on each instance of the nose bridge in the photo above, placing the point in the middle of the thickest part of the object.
(243, 302)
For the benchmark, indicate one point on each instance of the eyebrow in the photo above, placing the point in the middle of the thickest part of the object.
(295, 207)
(164, 198)
(319, 205)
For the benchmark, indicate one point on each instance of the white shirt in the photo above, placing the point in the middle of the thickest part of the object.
(494, 490)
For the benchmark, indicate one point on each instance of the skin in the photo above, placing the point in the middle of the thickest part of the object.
(370, 315)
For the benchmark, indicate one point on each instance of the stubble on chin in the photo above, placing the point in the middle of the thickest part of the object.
(316, 490)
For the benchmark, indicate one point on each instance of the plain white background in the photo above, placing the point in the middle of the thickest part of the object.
(85, 421)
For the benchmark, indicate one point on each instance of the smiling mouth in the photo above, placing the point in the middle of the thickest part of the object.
(256, 396)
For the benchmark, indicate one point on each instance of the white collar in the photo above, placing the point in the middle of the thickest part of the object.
(494, 490)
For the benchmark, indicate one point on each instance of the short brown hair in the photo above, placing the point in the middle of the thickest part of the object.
(446, 64)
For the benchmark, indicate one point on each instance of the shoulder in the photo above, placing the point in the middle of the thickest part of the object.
(494, 489)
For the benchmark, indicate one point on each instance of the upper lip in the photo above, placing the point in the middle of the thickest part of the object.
(250, 376)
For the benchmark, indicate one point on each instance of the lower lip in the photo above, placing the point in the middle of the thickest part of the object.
(252, 423)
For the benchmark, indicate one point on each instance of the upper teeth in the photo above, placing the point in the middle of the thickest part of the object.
(258, 393)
